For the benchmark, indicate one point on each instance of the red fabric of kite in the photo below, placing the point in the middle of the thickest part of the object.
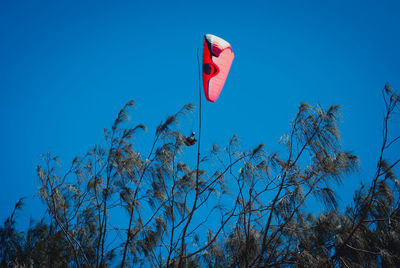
(217, 60)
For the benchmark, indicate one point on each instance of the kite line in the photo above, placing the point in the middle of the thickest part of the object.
(198, 145)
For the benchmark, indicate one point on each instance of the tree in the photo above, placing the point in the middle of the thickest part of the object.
(232, 208)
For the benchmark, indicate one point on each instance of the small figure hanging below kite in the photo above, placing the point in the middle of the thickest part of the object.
(191, 140)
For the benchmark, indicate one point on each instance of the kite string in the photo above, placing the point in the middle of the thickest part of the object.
(198, 144)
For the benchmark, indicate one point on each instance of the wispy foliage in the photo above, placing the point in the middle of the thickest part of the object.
(235, 208)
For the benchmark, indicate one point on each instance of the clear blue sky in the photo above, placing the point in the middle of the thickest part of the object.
(67, 67)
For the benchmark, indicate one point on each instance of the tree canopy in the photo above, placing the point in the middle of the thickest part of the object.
(233, 208)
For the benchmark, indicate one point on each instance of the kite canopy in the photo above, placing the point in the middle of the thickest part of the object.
(217, 60)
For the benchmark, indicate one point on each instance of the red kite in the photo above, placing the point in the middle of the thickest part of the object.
(217, 60)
